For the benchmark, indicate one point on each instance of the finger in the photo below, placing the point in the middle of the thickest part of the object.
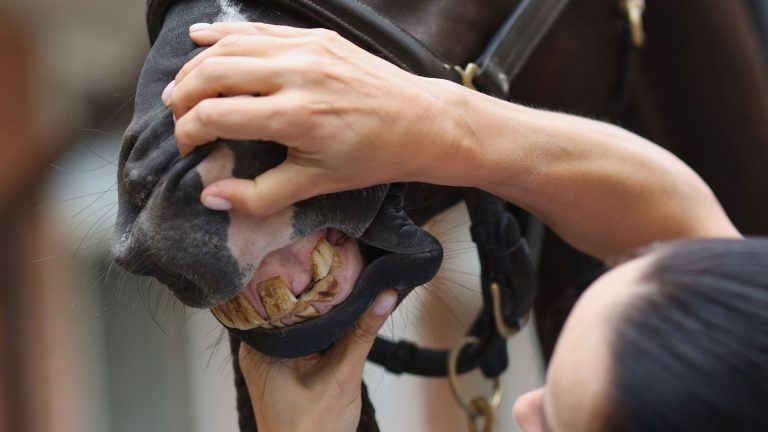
(229, 76)
(348, 356)
(272, 191)
(208, 34)
(240, 46)
(235, 118)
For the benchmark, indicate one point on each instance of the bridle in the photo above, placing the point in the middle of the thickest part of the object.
(507, 256)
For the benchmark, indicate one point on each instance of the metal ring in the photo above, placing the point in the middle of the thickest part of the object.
(505, 330)
(453, 359)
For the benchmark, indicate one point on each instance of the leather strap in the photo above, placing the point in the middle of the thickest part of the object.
(499, 64)
(355, 21)
(514, 43)
(504, 260)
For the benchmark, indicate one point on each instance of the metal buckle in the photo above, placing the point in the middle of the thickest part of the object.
(505, 330)
(634, 10)
(468, 74)
(480, 408)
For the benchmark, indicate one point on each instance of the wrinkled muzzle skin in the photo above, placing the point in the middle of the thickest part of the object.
(223, 260)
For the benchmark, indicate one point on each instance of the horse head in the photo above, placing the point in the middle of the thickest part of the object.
(289, 284)
(292, 283)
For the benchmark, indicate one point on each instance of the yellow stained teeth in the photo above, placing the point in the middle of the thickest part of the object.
(322, 258)
(324, 290)
(244, 315)
(306, 311)
(336, 260)
(279, 302)
(223, 316)
(277, 298)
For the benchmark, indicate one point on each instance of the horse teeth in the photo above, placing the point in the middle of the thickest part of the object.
(222, 315)
(322, 258)
(293, 319)
(244, 315)
(323, 290)
(337, 262)
(277, 298)
(306, 311)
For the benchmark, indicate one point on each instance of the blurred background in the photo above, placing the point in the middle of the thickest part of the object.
(84, 346)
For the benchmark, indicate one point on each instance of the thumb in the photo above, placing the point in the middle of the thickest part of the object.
(270, 192)
(253, 365)
(350, 353)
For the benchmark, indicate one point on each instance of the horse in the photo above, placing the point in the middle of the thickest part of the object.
(586, 64)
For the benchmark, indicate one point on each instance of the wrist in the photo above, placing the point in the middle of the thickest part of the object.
(503, 146)
(450, 150)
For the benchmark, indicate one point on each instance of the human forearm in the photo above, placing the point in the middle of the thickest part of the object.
(603, 189)
(350, 120)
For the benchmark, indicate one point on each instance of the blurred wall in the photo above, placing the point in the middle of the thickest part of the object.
(84, 346)
(23, 156)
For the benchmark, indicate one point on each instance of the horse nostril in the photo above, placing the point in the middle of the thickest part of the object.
(128, 255)
(139, 186)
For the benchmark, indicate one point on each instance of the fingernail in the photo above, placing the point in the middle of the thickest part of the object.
(168, 92)
(216, 203)
(194, 28)
(384, 303)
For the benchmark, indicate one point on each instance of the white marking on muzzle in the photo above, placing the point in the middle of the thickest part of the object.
(230, 12)
(248, 239)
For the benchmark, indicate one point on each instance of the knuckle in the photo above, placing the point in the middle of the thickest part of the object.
(299, 64)
(182, 137)
(229, 42)
(212, 68)
(262, 29)
(184, 71)
(282, 108)
(326, 34)
(183, 131)
(207, 112)
(293, 110)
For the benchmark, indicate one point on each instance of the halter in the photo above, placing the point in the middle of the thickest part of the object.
(508, 276)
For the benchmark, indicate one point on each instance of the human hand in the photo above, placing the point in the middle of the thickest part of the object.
(317, 393)
(349, 118)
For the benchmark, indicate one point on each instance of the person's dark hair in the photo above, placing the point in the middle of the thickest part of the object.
(692, 353)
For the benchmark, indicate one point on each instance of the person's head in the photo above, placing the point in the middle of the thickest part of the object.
(675, 340)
